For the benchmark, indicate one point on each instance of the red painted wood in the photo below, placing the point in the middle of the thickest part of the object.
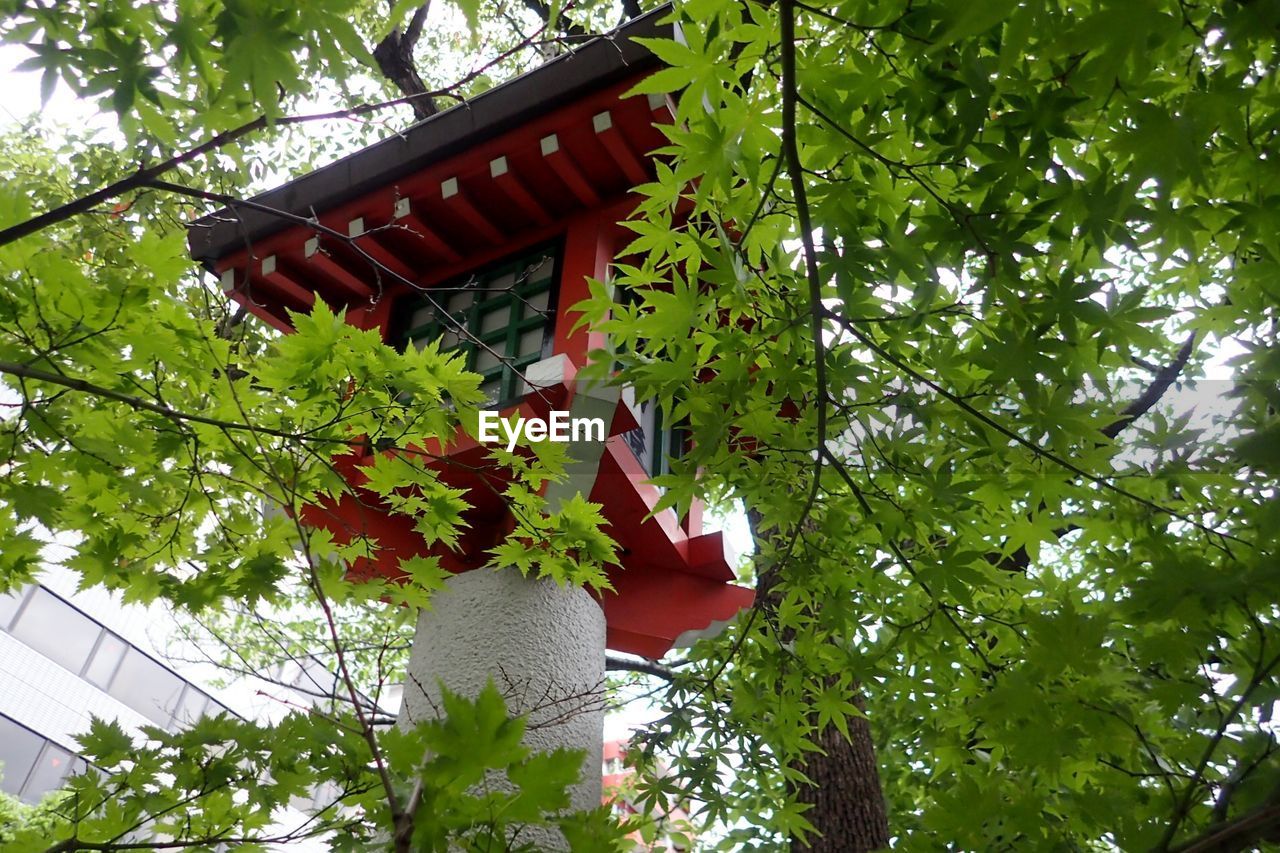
(267, 314)
(588, 251)
(461, 205)
(564, 167)
(326, 268)
(285, 284)
(621, 152)
(672, 579)
(393, 263)
(519, 193)
(419, 231)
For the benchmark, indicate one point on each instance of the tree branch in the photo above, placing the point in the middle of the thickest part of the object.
(1020, 560)
(144, 176)
(1240, 834)
(1165, 377)
(1261, 675)
(27, 372)
(413, 32)
(1103, 482)
(613, 664)
(543, 11)
(394, 55)
(147, 175)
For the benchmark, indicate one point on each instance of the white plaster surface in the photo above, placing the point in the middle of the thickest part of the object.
(543, 646)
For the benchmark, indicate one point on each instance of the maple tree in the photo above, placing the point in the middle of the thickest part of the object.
(944, 264)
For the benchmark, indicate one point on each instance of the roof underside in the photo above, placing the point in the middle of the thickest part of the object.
(567, 79)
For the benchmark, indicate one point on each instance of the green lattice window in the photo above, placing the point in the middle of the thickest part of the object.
(656, 443)
(506, 311)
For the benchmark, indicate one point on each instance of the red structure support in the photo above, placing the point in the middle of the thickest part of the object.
(540, 167)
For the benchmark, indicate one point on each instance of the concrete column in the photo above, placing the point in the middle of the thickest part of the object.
(543, 646)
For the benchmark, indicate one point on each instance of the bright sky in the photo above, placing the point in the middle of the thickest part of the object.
(20, 96)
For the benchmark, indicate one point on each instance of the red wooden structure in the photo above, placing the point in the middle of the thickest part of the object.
(499, 209)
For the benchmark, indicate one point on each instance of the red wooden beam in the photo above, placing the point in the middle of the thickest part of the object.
(284, 283)
(662, 107)
(562, 164)
(405, 216)
(479, 258)
(500, 171)
(241, 295)
(335, 272)
(618, 149)
(457, 201)
(588, 250)
(368, 243)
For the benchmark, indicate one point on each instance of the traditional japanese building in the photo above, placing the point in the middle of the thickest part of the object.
(479, 228)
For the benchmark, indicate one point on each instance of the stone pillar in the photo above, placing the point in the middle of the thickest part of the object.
(543, 646)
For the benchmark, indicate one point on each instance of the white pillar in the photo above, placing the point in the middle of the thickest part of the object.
(543, 646)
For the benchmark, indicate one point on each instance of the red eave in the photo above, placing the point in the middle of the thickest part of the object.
(455, 214)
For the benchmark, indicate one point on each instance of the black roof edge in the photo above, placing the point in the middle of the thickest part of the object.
(593, 66)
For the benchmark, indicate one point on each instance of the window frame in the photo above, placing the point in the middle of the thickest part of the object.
(109, 686)
(31, 637)
(505, 340)
(21, 784)
(21, 595)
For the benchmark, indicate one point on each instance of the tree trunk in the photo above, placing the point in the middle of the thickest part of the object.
(394, 55)
(847, 804)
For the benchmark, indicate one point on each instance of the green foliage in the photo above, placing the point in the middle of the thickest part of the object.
(146, 428)
(1014, 208)
(567, 546)
(1061, 618)
(230, 779)
(16, 817)
(220, 58)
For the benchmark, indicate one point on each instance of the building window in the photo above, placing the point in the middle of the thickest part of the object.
(30, 765)
(191, 707)
(654, 443)
(106, 660)
(50, 771)
(10, 604)
(147, 687)
(67, 636)
(506, 311)
(56, 630)
(19, 749)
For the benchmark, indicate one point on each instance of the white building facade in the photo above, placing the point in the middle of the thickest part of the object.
(66, 657)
